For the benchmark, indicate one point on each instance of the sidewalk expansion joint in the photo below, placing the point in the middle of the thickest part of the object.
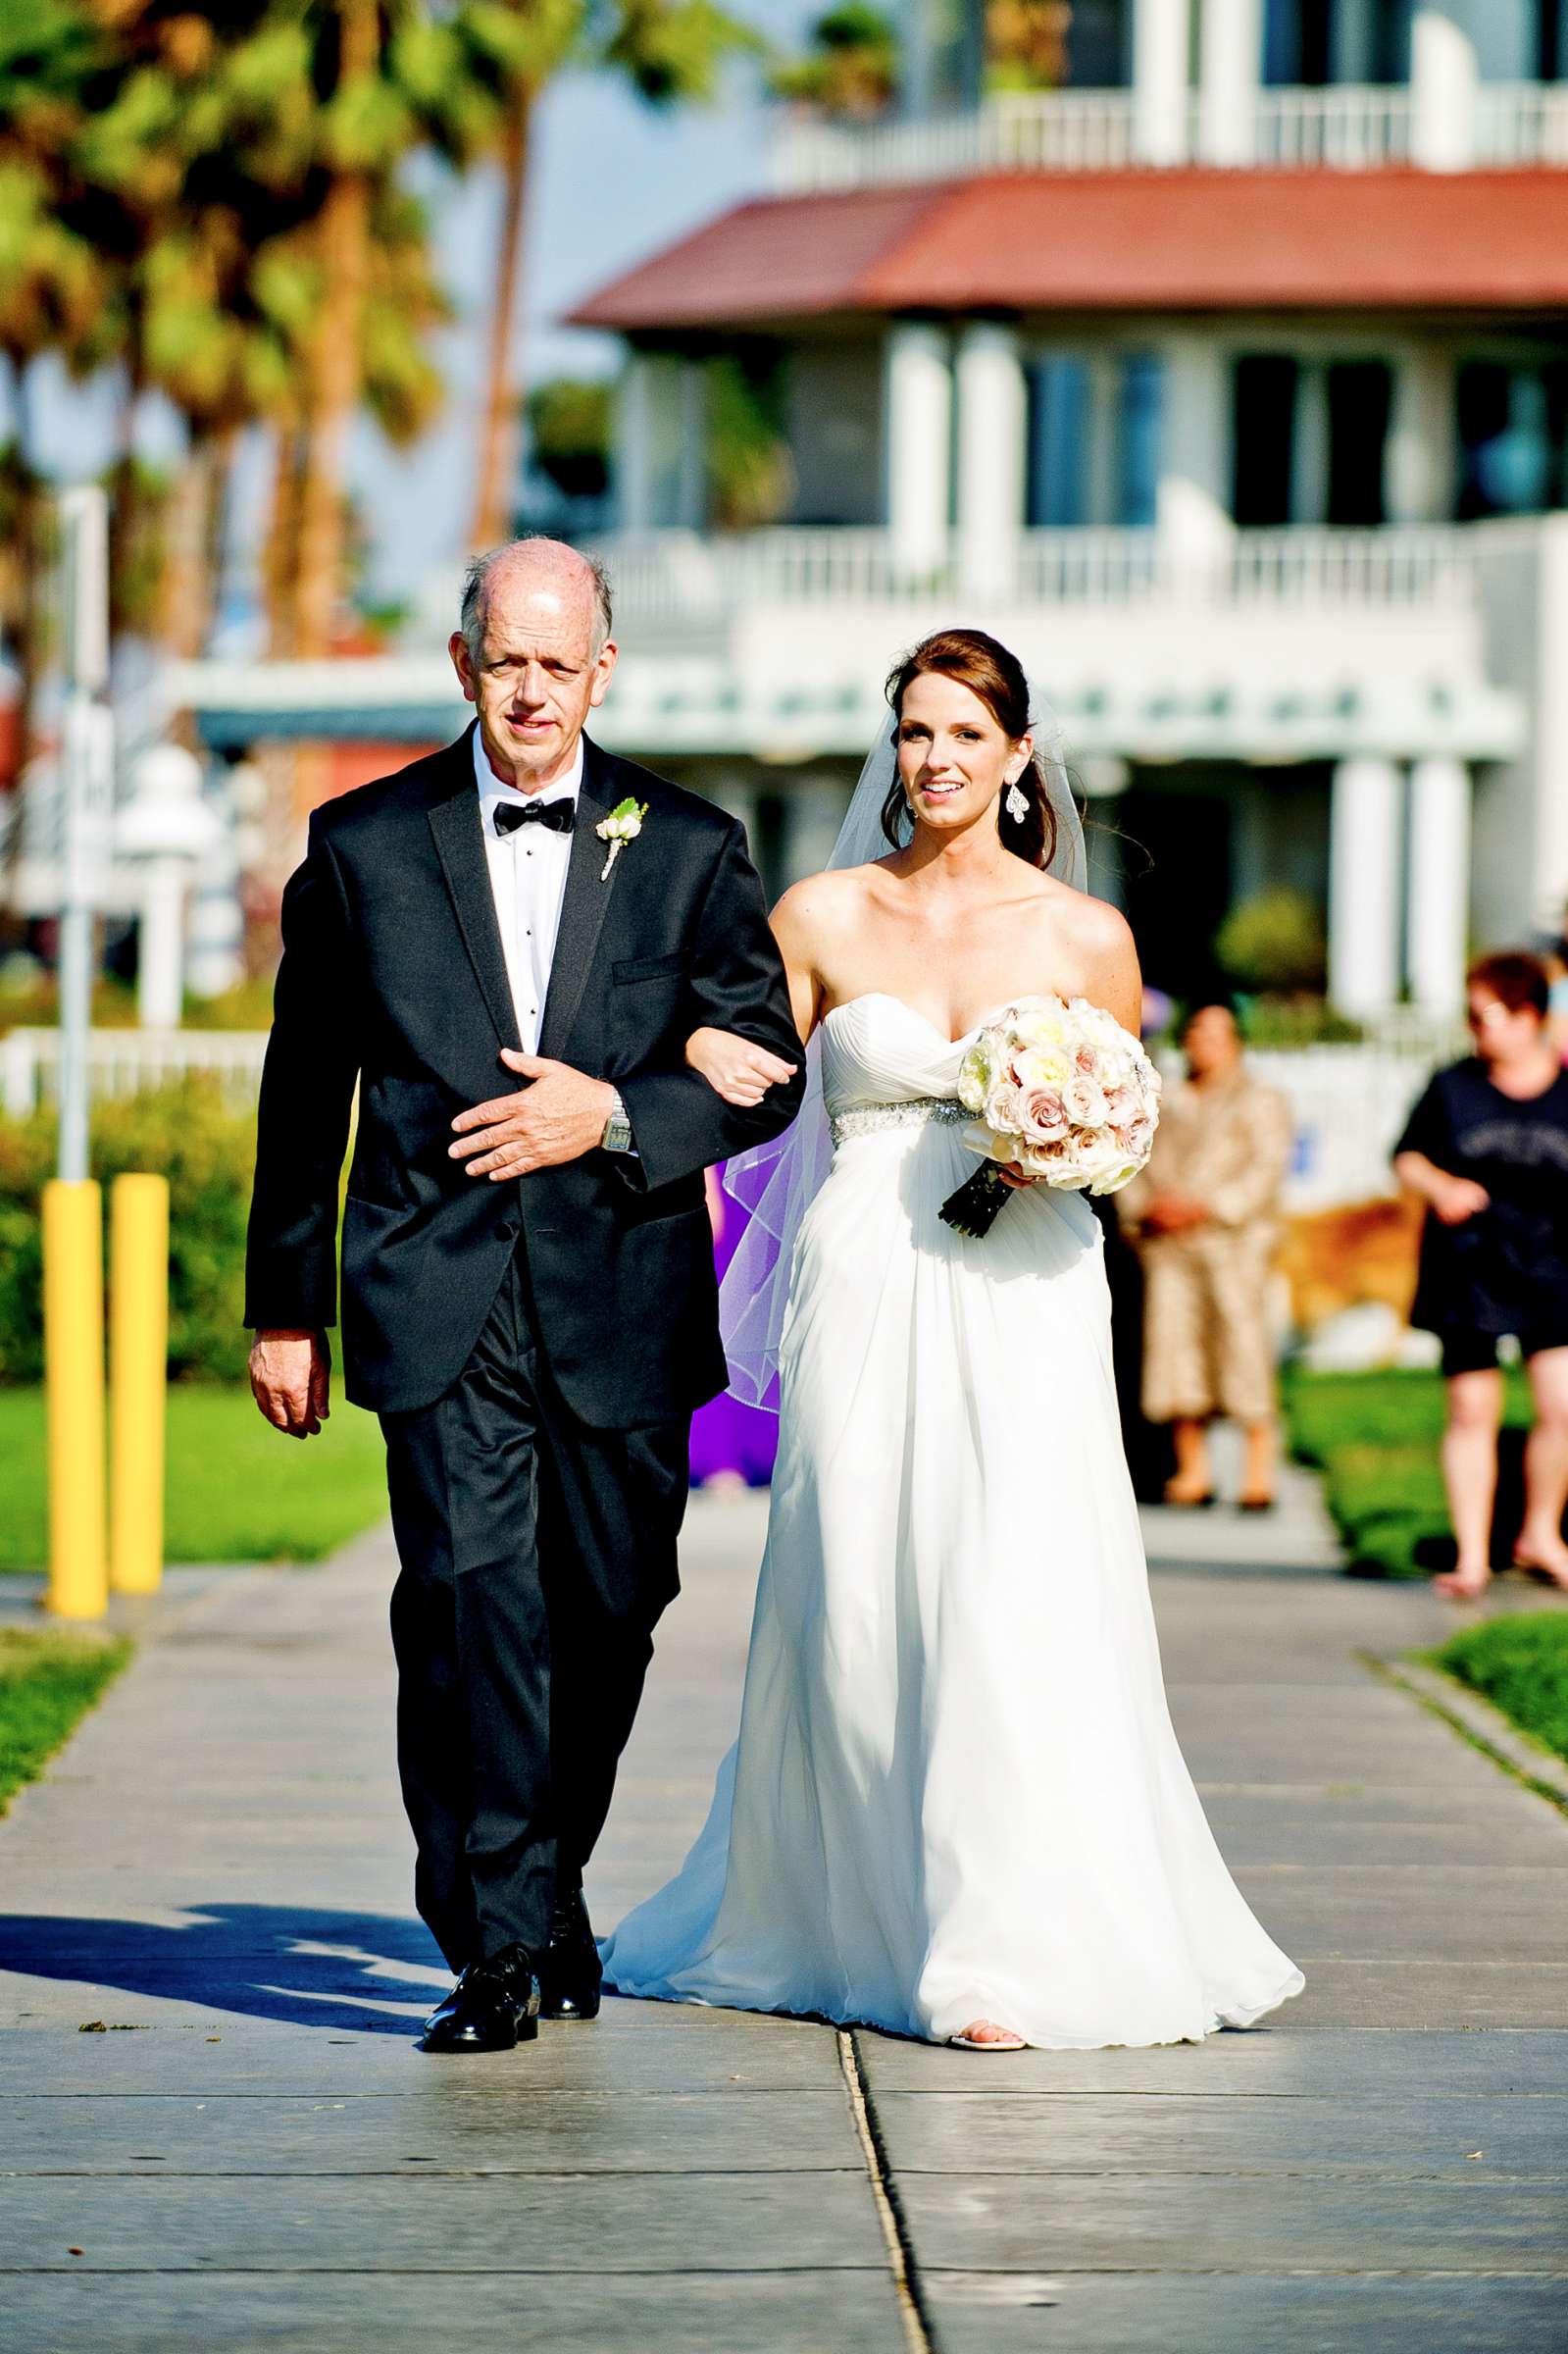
(885, 2197)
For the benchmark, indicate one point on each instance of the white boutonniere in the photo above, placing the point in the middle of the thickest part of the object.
(623, 825)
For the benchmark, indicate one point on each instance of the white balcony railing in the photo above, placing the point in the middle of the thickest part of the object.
(682, 577)
(1355, 128)
(1348, 127)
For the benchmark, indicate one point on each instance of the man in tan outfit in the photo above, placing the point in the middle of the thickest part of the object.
(1205, 1216)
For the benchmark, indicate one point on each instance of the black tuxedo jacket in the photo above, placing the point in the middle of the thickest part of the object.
(393, 977)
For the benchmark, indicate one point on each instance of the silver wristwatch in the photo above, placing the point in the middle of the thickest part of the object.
(617, 1137)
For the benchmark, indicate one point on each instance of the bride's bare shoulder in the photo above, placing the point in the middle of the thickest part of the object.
(1093, 925)
(826, 906)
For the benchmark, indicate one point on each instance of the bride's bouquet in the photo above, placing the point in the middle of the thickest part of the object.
(1059, 1091)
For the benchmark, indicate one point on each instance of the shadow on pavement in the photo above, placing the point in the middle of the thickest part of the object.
(297, 1966)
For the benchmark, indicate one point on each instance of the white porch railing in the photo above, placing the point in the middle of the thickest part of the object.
(683, 575)
(128, 1062)
(1348, 127)
(1355, 128)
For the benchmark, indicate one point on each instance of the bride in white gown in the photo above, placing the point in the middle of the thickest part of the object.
(957, 1807)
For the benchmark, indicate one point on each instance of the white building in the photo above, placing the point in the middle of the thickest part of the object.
(1230, 390)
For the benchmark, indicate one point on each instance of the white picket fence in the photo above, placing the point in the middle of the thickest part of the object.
(127, 1062)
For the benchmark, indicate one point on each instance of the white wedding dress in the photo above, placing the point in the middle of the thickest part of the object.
(956, 1794)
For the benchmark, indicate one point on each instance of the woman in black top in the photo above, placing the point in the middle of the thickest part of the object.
(1487, 1150)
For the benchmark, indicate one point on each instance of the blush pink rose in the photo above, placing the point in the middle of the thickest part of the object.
(1044, 1119)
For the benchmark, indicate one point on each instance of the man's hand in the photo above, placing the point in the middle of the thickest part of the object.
(1174, 1214)
(291, 1376)
(558, 1118)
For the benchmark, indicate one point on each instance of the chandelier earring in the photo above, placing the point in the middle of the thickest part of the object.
(1017, 803)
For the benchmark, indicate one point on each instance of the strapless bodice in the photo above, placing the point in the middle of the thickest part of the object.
(878, 1051)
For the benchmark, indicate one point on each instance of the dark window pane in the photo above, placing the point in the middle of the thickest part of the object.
(1139, 437)
(1359, 395)
(1263, 396)
(1058, 420)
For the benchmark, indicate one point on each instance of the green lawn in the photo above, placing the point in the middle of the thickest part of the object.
(1521, 1665)
(237, 1490)
(47, 1682)
(1375, 1437)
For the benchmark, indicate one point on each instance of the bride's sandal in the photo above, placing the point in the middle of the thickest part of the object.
(1000, 2039)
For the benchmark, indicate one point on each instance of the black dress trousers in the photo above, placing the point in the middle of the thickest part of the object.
(536, 1556)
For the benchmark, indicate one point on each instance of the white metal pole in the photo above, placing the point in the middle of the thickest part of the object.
(87, 760)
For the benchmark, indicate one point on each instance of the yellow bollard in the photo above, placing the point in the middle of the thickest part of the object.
(73, 1318)
(138, 1367)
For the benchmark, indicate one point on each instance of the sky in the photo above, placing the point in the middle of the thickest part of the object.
(612, 182)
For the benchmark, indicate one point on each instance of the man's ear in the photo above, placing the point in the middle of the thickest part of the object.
(463, 664)
(604, 670)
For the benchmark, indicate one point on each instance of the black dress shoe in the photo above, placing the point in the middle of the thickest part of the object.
(570, 1973)
(493, 2007)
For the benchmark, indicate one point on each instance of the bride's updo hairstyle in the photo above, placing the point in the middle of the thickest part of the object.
(986, 667)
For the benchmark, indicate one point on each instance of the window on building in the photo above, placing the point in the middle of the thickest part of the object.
(1360, 396)
(1057, 487)
(1139, 433)
(1263, 395)
(1511, 438)
(1319, 42)
(1552, 40)
(1099, 44)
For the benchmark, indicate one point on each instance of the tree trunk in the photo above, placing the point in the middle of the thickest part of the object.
(281, 555)
(32, 564)
(333, 374)
(192, 548)
(500, 437)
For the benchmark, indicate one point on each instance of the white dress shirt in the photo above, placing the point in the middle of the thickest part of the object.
(528, 881)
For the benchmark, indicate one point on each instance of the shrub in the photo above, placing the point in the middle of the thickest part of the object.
(1274, 941)
(188, 1134)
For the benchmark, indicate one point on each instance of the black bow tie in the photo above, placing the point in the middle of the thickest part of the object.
(557, 815)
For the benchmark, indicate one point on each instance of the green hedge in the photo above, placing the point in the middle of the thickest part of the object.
(188, 1134)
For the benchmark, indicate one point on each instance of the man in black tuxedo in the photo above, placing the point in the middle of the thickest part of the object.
(529, 1298)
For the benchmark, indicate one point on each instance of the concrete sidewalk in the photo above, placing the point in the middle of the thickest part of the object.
(216, 1874)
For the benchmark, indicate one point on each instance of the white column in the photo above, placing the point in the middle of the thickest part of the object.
(692, 481)
(1309, 443)
(633, 465)
(1444, 83)
(918, 406)
(1438, 895)
(1418, 459)
(1230, 71)
(1161, 35)
(1193, 502)
(812, 811)
(1364, 831)
(1549, 885)
(991, 427)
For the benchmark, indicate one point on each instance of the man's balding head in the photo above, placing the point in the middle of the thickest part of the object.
(536, 563)
(534, 653)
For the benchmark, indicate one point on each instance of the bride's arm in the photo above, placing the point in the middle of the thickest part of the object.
(736, 1068)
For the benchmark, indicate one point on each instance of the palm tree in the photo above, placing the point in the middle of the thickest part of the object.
(670, 51)
(52, 288)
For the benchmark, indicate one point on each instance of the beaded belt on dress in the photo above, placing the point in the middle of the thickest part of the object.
(913, 1112)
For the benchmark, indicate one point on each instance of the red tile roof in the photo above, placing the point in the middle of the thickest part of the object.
(1170, 241)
